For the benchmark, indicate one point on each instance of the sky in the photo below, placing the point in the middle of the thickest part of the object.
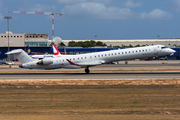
(85, 19)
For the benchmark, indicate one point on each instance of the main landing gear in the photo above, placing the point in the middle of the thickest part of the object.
(87, 70)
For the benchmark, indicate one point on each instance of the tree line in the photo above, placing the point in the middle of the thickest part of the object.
(92, 43)
(86, 44)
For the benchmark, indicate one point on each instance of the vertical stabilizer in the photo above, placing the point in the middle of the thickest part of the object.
(55, 50)
(29, 51)
(21, 56)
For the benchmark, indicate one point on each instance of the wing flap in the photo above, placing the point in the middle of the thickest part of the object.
(88, 64)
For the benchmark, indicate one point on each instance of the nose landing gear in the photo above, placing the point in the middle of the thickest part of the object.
(87, 70)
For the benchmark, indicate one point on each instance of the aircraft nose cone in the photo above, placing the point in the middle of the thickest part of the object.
(172, 51)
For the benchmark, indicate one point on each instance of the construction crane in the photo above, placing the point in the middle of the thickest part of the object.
(42, 13)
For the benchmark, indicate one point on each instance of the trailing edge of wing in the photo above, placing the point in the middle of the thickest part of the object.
(89, 64)
(85, 64)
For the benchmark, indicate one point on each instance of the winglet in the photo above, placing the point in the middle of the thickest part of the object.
(71, 63)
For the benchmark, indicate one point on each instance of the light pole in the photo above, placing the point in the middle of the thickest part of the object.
(158, 36)
(95, 36)
(8, 17)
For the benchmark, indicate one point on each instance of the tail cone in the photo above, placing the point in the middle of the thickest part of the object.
(21, 66)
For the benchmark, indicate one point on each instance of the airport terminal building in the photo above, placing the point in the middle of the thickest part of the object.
(41, 44)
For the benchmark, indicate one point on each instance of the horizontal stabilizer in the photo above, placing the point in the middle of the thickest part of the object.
(14, 51)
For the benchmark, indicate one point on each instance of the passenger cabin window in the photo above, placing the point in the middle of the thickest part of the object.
(139, 50)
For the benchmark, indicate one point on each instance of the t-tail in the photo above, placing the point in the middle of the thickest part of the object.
(21, 56)
(29, 51)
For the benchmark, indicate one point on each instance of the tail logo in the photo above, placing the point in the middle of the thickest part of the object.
(29, 51)
(56, 51)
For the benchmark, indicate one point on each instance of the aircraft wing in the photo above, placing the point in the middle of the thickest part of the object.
(88, 64)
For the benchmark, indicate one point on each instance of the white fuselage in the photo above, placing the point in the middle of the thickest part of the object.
(40, 56)
(98, 58)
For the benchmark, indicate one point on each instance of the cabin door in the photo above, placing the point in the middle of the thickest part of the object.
(155, 51)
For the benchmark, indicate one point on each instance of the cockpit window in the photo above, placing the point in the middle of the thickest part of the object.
(163, 47)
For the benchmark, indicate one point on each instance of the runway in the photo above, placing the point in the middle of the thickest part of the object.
(91, 76)
(74, 75)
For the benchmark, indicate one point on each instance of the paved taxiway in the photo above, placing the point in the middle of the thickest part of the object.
(132, 65)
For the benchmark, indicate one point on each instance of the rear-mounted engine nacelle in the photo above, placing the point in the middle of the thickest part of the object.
(45, 62)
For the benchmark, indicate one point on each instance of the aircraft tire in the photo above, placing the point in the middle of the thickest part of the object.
(87, 71)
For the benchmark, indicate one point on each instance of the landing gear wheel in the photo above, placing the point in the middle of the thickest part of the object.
(87, 70)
